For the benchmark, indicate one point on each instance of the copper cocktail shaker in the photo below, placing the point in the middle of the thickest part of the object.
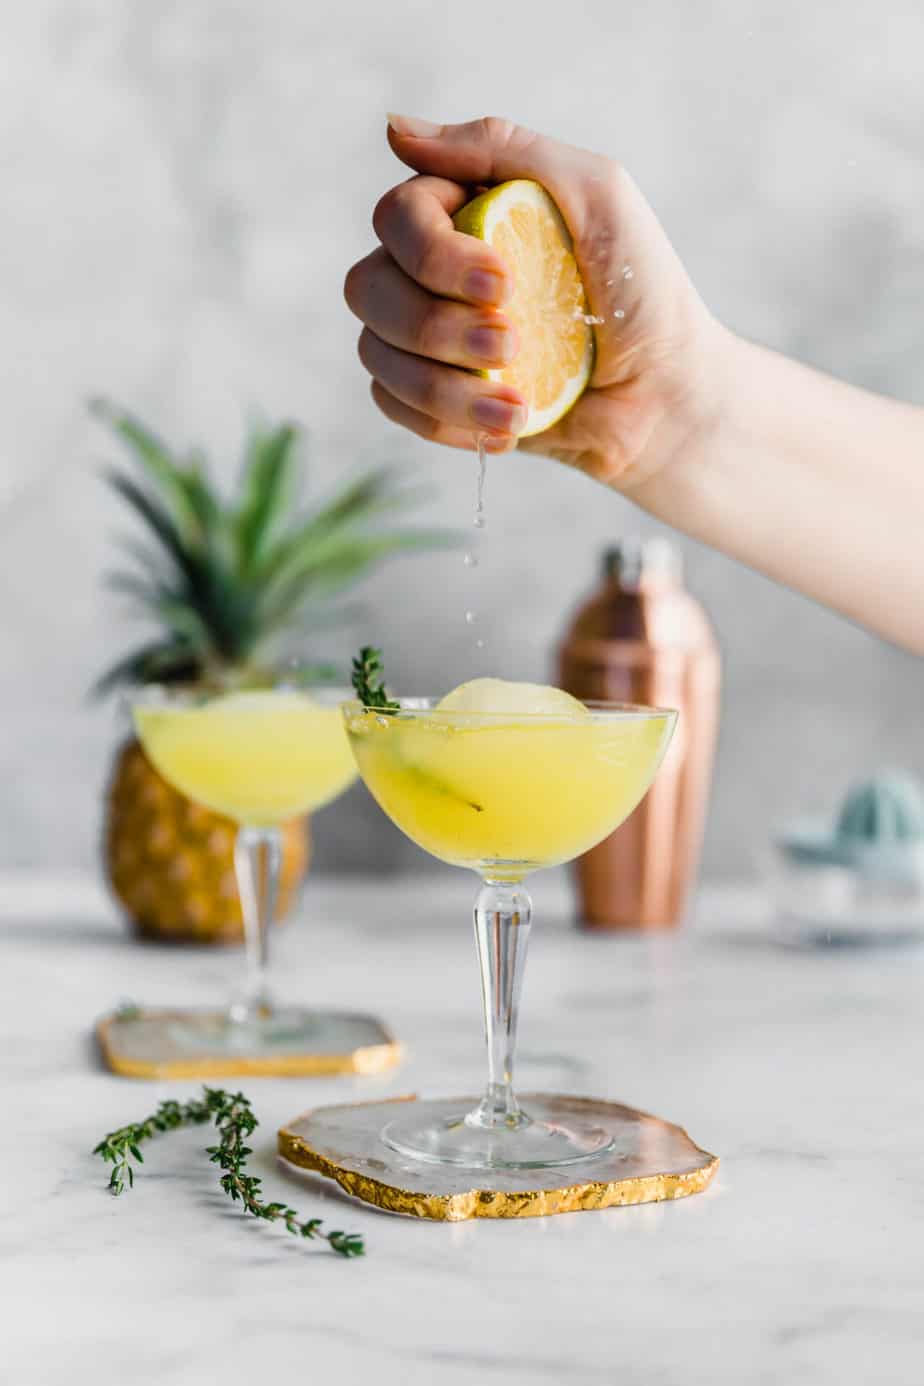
(642, 638)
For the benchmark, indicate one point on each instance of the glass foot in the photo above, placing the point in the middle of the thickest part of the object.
(443, 1133)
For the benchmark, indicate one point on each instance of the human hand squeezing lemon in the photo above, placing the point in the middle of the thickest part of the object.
(524, 293)
(547, 293)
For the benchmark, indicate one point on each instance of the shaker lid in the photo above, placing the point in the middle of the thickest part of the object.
(633, 559)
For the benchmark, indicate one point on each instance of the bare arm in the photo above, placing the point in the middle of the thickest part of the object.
(813, 482)
(807, 479)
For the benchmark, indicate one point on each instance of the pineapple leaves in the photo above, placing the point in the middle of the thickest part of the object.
(221, 612)
(180, 489)
(368, 495)
(159, 661)
(324, 569)
(268, 487)
(157, 518)
(224, 578)
(201, 499)
(162, 603)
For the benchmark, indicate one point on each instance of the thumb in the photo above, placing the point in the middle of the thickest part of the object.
(491, 150)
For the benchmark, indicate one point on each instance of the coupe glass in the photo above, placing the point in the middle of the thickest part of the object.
(504, 795)
(260, 757)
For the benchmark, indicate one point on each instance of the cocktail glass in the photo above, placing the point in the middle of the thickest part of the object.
(260, 757)
(504, 795)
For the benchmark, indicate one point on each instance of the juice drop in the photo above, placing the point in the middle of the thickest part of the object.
(482, 474)
(470, 557)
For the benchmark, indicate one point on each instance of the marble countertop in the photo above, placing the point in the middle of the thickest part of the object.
(802, 1070)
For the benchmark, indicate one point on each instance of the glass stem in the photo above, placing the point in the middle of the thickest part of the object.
(502, 918)
(257, 857)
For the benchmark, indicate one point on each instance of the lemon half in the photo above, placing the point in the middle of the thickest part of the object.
(549, 305)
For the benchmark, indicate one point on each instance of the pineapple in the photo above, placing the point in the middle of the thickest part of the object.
(171, 862)
(222, 582)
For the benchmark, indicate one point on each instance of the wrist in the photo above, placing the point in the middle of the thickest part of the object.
(718, 392)
(698, 413)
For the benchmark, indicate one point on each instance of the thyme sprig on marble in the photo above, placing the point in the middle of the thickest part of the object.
(233, 1118)
(368, 680)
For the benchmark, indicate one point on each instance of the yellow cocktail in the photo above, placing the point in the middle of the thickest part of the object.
(506, 796)
(505, 779)
(259, 756)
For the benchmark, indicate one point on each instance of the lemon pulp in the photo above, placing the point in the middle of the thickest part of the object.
(549, 306)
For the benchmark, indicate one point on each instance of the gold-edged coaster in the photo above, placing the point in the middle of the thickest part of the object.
(142, 1043)
(652, 1160)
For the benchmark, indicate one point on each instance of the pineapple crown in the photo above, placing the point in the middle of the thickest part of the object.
(223, 578)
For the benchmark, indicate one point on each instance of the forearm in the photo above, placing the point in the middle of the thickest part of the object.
(811, 481)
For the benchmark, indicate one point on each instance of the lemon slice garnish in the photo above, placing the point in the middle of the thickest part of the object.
(495, 696)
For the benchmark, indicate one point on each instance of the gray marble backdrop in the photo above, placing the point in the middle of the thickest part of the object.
(182, 186)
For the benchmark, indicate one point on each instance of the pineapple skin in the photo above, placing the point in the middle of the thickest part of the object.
(170, 862)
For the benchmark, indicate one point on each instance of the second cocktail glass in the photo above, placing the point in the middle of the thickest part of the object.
(504, 794)
(259, 756)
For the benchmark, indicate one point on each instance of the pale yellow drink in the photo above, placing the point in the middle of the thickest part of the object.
(506, 794)
(260, 756)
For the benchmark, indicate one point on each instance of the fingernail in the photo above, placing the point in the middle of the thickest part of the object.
(499, 414)
(485, 286)
(490, 343)
(411, 125)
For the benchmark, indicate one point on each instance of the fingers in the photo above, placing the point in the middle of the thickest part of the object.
(430, 297)
(433, 429)
(492, 150)
(631, 273)
(399, 312)
(453, 397)
(413, 222)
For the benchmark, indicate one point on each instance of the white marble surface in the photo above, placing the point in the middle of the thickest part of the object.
(802, 1264)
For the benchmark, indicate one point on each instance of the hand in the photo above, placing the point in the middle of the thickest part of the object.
(431, 301)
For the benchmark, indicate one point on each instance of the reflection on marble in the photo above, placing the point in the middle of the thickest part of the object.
(799, 1266)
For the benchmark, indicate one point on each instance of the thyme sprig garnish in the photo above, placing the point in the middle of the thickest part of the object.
(233, 1118)
(370, 689)
(368, 681)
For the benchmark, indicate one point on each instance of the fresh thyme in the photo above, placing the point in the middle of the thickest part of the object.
(234, 1120)
(370, 689)
(369, 683)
